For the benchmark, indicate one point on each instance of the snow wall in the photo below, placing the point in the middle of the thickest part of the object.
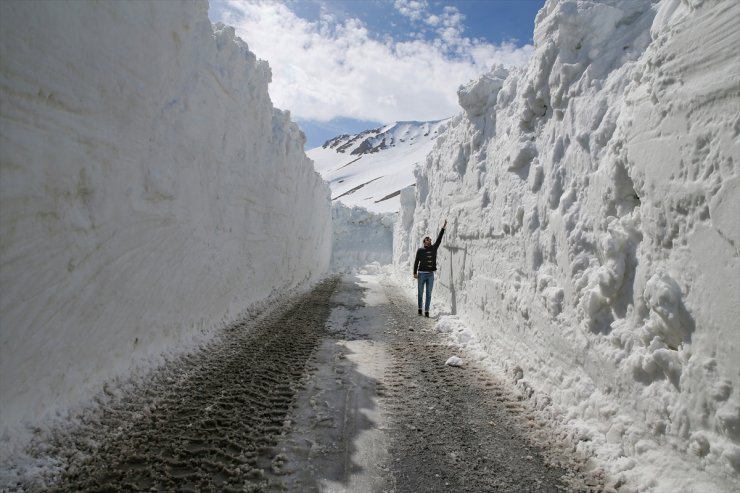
(594, 239)
(360, 237)
(150, 193)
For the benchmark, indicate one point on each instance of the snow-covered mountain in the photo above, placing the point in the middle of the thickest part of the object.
(369, 169)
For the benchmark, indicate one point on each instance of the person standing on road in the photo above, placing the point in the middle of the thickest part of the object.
(425, 264)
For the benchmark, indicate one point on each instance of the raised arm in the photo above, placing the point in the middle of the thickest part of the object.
(441, 233)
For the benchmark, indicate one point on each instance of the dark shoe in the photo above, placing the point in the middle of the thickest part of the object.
(426, 314)
(419, 311)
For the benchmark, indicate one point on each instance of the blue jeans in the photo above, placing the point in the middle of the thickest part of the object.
(425, 278)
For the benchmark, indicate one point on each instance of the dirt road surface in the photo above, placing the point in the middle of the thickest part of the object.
(343, 389)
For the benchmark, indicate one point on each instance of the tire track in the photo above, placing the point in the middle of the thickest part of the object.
(207, 423)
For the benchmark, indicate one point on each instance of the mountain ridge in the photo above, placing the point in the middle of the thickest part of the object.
(369, 169)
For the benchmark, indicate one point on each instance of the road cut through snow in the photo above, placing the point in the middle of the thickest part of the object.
(341, 389)
(380, 411)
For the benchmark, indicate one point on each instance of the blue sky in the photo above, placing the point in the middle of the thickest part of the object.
(493, 20)
(344, 66)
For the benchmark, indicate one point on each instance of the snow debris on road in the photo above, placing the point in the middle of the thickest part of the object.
(454, 361)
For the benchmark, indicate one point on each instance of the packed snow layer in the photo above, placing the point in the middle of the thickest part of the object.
(594, 240)
(150, 192)
(360, 237)
(369, 169)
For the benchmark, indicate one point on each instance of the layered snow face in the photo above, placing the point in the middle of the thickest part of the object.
(369, 169)
(360, 237)
(150, 192)
(594, 239)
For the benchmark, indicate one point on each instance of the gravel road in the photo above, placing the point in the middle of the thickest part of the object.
(459, 428)
(341, 389)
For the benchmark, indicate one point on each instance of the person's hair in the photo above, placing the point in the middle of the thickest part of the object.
(426, 238)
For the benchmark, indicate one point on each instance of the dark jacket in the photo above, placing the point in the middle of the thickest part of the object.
(426, 258)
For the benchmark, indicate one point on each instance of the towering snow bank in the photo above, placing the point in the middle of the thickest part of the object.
(149, 192)
(594, 239)
(360, 237)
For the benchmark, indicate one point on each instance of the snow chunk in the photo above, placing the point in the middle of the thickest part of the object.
(454, 361)
(522, 153)
(669, 317)
(479, 95)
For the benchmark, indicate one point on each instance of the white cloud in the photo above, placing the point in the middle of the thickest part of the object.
(331, 68)
(433, 20)
(413, 9)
